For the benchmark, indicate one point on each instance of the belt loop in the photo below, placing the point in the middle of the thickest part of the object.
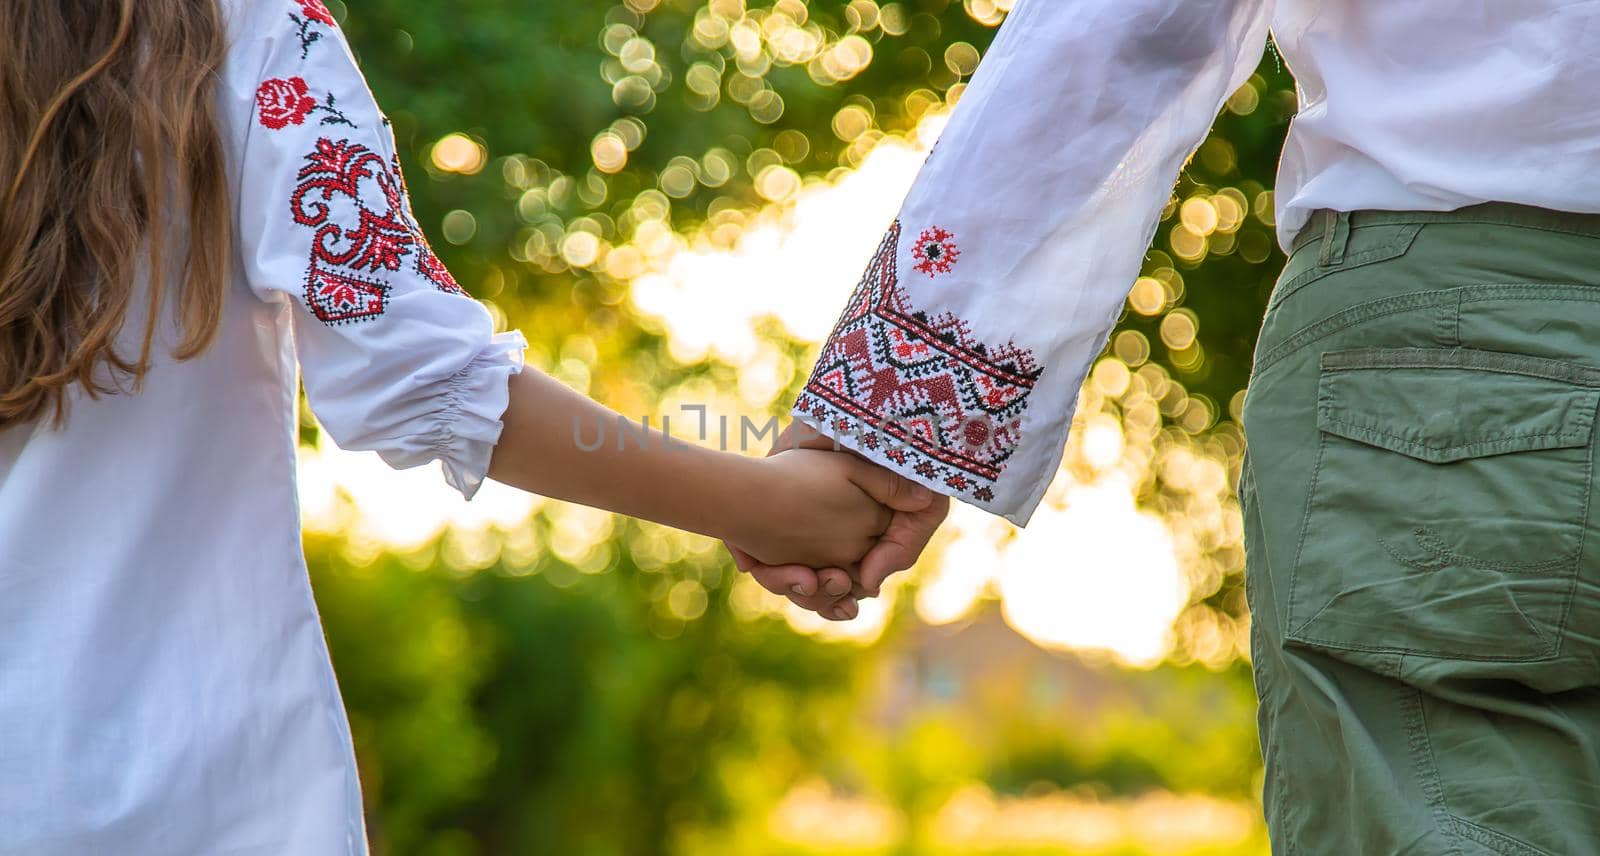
(1335, 236)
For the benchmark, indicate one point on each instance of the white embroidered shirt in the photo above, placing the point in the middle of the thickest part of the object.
(959, 358)
(164, 683)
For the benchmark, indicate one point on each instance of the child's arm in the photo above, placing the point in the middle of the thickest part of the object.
(818, 508)
(399, 359)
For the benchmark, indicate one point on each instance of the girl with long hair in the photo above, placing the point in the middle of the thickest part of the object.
(201, 198)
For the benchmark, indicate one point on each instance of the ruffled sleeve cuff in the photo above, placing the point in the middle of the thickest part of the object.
(467, 426)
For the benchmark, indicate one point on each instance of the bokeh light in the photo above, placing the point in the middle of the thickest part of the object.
(674, 216)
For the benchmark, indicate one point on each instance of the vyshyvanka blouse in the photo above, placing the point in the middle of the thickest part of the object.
(959, 358)
(165, 687)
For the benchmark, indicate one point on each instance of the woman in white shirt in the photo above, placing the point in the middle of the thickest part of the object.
(164, 683)
(1424, 591)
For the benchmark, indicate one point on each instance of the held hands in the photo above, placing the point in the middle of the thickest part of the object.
(835, 526)
(825, 509)
(821, 508)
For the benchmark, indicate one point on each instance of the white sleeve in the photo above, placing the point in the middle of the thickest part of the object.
(395, 356)
(958, 360)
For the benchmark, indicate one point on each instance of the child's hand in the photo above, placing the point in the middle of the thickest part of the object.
(821, 509)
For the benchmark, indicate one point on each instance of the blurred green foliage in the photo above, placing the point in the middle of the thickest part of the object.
(620, 706)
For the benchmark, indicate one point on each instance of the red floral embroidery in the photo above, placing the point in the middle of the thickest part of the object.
(283, 101)
(950, 404)
(327, 198)
(428, 264)
(287, 101)
(434, 270)
(355, 241)
(314, 10)
(935, 252)
(336, 297)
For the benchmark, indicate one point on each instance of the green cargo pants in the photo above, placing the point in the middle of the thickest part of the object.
(1423, 562)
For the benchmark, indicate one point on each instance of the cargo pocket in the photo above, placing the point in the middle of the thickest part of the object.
(1448, 504)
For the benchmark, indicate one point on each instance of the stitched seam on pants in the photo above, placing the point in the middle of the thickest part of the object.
(1497, 841)
(1344, 645)
(1330, 231)
(1549, 653)
(1481, 447)
(1369, 221)
(1392, 249)
(1489, 291)
(1425, 765)
(1455, 338)
(1583, 540)
(1289, 630)
(1350, 317)
(1437, 548)
(1452, 826)
(1476, 359)
(1300, 281)
(1258, 637)
(1459, 294)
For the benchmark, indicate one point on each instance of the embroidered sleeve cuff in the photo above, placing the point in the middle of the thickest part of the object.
(921, 395)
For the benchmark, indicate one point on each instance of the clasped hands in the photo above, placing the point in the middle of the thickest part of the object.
(846, 526)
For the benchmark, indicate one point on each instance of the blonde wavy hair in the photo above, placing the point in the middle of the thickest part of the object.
(107, 138)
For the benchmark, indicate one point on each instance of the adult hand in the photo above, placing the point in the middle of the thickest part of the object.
(831, 592)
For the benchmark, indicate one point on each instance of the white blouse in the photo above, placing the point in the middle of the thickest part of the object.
(164, 683)
(959, 358)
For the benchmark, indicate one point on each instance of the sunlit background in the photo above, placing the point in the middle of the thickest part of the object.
(673, 199)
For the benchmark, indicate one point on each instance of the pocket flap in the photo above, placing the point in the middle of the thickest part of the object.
(1447, 404)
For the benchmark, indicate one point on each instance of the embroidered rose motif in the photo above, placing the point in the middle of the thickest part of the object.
(314, 10)
(935, 252)
(283, 101)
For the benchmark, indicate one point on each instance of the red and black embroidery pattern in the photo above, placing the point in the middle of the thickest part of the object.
(921, 388)
(284, 101)
(332, 115)
(378, 240)
(935, 252)
(352, 241)
(355, 243)
(314, 12)
(428, 264)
